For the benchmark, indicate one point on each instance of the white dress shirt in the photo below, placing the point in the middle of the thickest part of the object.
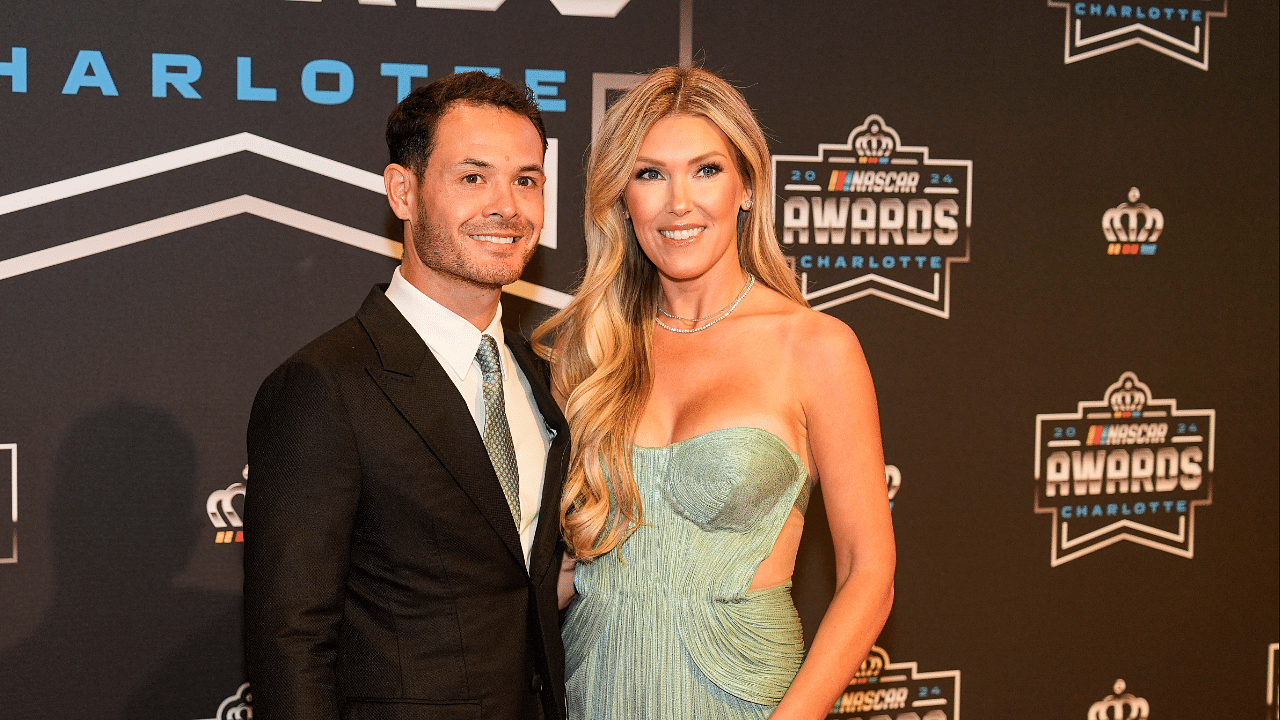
(454, 342)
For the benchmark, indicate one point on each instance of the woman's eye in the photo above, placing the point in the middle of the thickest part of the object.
(648, 174)
(709, 170)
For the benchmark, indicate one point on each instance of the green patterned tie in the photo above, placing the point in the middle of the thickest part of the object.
(497, 433)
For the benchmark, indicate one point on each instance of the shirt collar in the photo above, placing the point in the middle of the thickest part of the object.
(452, 338)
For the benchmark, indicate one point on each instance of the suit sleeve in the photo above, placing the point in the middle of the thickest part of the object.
(300, 507)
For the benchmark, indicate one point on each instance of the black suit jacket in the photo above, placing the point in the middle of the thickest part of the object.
(383, 575)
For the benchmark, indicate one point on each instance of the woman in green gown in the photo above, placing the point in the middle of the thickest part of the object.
(705, 400)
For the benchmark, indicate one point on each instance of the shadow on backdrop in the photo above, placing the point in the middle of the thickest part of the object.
(121, 529)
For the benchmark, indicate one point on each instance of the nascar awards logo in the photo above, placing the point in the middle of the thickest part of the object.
(1132, 228)
(1120, 705)
(883, 690)
(8, 503)
(873, 217)
(1273, 681)
(1180, 31)
(581, 8)
(237, 707)
(1128, 467)
(222, 511)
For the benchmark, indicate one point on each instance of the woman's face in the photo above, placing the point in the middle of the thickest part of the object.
(683, 197)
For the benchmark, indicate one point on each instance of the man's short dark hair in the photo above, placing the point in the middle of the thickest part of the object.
(411, 128)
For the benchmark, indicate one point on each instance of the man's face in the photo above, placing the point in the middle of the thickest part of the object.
(480, 197)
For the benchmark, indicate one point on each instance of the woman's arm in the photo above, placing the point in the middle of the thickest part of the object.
(844, 441)
(564, 586)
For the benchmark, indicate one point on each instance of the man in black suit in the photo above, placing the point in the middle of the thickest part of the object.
(402, 512)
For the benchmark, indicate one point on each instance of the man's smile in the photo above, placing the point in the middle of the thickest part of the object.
(499, 239)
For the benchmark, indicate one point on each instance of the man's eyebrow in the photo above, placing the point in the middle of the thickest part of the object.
(485, 165)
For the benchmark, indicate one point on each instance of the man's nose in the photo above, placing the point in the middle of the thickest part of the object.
(501, 201)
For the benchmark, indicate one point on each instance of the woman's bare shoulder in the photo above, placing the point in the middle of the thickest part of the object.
(811, 343)
(819, 341)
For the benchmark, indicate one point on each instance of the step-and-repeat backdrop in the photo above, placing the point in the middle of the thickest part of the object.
(1052, 224)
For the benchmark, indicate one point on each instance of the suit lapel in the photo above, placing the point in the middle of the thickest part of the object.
(413, 380)
(545, 539)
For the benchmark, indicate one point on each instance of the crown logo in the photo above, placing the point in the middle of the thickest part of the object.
(1132, 221)
(874, 142)
(1120, 705)
(238, 706)
(875, 663)
(222, 511)
(1128, 395)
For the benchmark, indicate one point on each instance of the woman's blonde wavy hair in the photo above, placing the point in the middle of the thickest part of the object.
(601, 344)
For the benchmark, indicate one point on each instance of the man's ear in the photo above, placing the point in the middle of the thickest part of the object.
(402, 190)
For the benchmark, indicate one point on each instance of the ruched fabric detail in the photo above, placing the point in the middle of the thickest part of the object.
(724, 485)
(748, 648)
(670, 631)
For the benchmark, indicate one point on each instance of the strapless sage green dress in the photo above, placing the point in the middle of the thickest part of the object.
(670, 632)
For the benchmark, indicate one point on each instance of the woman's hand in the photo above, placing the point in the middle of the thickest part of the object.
(564, 588)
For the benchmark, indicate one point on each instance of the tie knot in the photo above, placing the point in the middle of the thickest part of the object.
(487, 355)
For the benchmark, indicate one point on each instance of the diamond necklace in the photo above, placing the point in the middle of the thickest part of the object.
(723, 313)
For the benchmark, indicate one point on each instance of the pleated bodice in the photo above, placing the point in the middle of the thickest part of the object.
(670, 630)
